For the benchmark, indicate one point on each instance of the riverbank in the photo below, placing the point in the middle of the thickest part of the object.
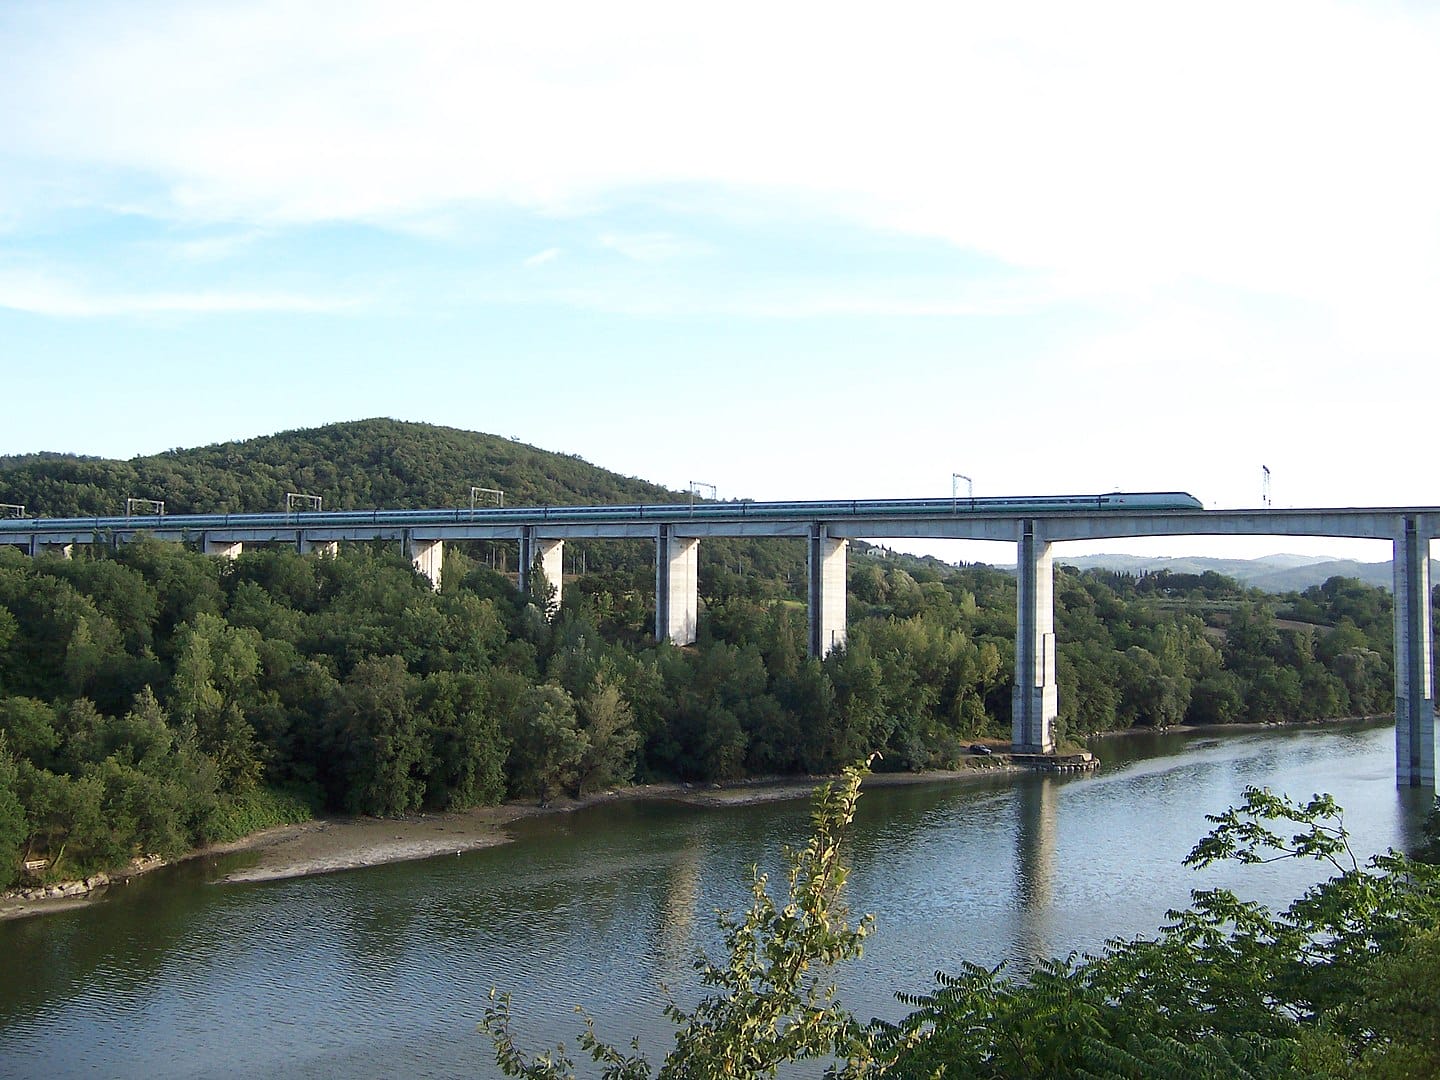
(332, 844)
(329, 845)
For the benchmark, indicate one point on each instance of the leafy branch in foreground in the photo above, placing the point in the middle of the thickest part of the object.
(1241, 835)
(1344, 982)
(770, 1001)
(1227, 988)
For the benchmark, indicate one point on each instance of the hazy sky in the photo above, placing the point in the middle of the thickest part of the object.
(791, 250)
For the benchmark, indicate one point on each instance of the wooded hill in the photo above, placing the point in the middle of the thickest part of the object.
(359, 465)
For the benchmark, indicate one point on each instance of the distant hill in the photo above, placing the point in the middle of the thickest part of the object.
(1273, 573)
(361, 464)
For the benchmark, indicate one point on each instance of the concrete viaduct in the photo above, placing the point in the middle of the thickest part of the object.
(1033, 524)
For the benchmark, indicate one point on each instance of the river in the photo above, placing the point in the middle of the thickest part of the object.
(384, 972)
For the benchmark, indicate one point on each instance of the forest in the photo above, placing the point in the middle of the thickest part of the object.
(153, 698)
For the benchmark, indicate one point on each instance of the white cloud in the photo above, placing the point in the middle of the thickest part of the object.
(1275, 147)
(540, 258)
(652, 246)
(784, 299)
(214, 248)
(44, 295)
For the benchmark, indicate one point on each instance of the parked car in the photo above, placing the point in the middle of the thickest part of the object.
(980, 748)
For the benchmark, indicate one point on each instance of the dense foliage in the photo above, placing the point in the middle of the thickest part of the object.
(152, 698)
(363, 464)
(1343, 983)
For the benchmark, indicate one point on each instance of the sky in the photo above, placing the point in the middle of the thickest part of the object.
(793, 251)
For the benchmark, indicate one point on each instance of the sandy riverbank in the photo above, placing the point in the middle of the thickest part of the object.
(328, 845)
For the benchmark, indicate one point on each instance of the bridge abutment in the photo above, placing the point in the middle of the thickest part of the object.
(677, 587)
(1414, 675)
(1035, 700)
(826, 565)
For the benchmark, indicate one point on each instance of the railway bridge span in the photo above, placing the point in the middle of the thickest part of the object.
(1035, 524)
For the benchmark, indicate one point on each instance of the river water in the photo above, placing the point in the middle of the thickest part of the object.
(385, 971)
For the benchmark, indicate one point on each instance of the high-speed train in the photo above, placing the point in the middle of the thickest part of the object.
(659, 512)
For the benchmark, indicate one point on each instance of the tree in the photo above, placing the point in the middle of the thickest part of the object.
(769, 1000)
(466, 762)
(611, 738)
(547, 746)
(377, 741)
(1256, 993)
(216, 674)
(13, 827)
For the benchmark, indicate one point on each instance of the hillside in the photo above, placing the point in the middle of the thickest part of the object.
(355, 465)
(1273, 573)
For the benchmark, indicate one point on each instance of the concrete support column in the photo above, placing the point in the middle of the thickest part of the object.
(225, 549)
(1414, 677)
(551, 554)
(826, 566)
(1034, 703)
(677, 587)
(326, 549)
(427, 556)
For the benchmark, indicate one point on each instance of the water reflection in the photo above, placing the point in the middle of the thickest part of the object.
(1036, 804)
(676, 923)
(384, 972)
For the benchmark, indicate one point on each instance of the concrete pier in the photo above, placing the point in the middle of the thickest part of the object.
(324, 548)
(225, 549)
(826, 566)
(1035, 700)
(551, 554)
(677, 587)
(1414, 674)
(428, 557)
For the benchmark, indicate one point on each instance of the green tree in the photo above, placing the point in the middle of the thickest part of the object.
(377, 742)
(770, 1000)
(467, 751)
(217, 668)
(14, 829)
(547, 747)
(610, 736)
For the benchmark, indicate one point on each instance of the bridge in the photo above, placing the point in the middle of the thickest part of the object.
(1034, 524)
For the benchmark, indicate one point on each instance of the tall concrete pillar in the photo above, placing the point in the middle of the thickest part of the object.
(677, 587)
(428, 557)
(225, 549)
(827, 591)
(1414, 677)
(1034, 703)
(551, 554)
(326, 549)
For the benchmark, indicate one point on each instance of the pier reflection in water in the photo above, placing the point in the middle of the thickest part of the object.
(1037, 806)
(384, 972)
